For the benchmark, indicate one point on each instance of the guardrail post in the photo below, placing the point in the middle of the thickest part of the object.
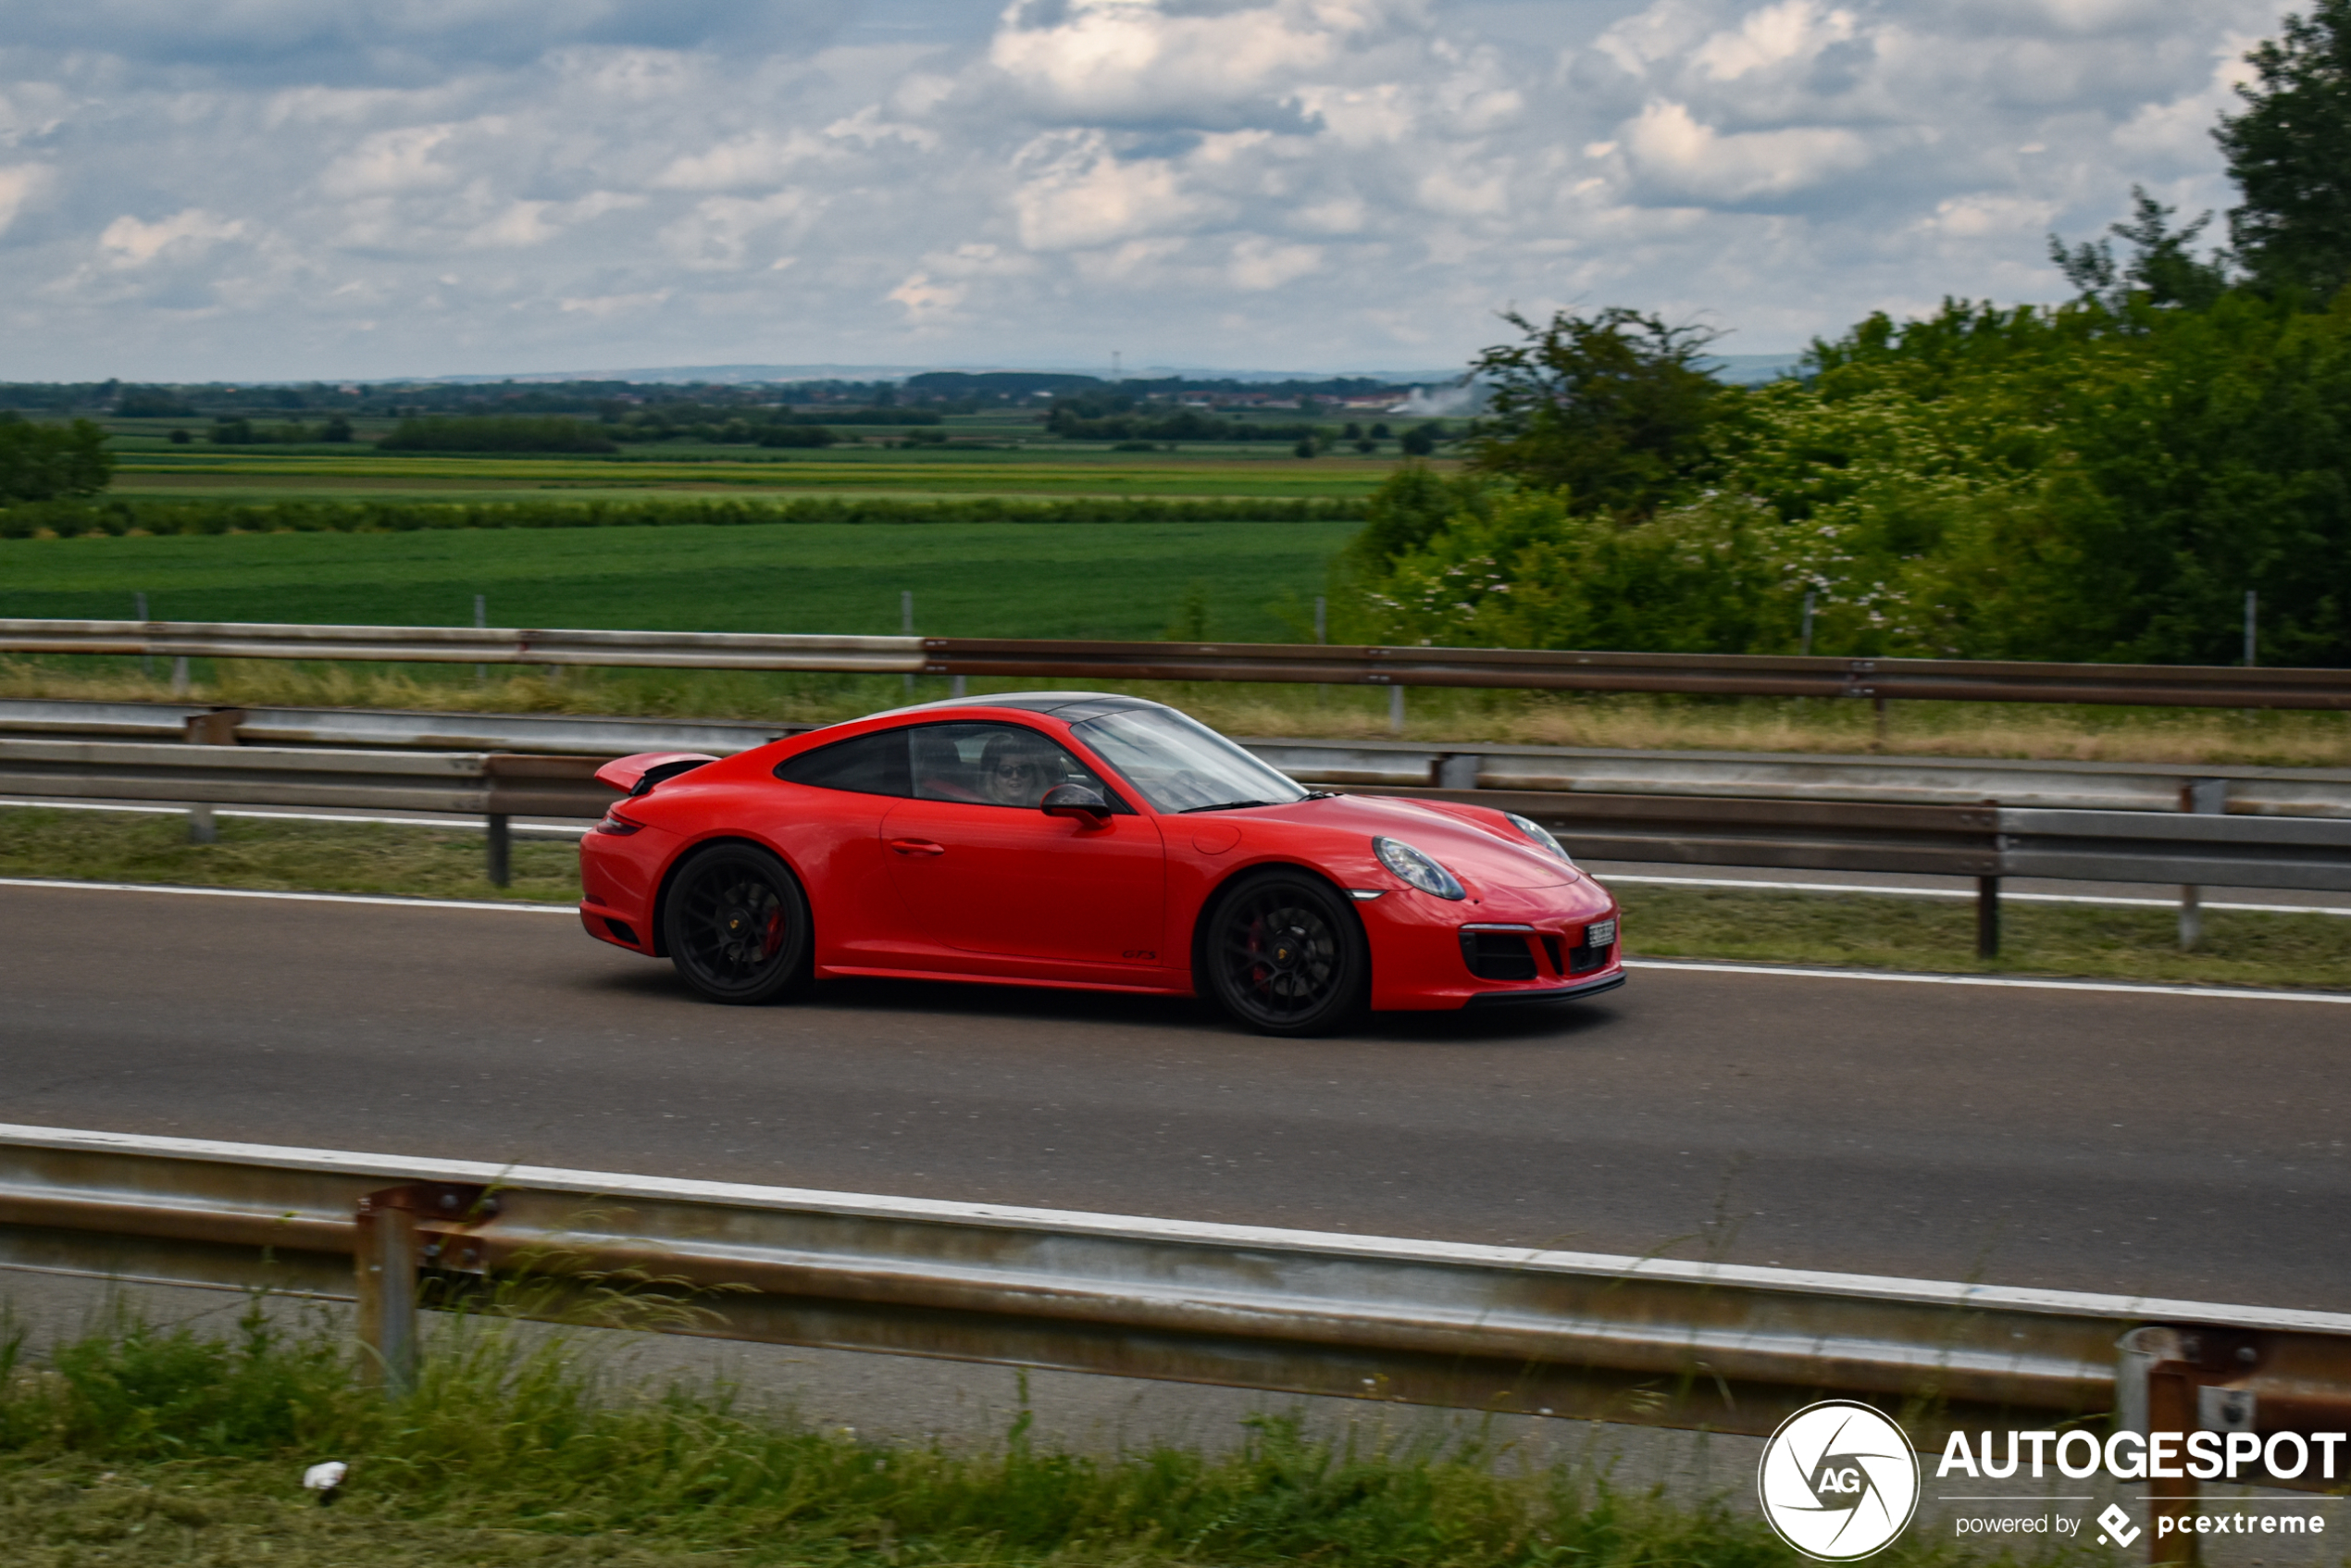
(202, 827)
(500, 868)
(1396, 710)
(179, 676)
(2155, 1391)
(2211, 795)
(1987, 917)
(385, 1253)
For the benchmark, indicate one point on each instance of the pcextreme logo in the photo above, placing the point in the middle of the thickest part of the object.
(1838, 1481)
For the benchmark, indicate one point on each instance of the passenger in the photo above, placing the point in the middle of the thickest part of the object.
(1016, 769)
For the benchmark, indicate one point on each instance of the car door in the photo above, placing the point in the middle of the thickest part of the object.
(983, 870)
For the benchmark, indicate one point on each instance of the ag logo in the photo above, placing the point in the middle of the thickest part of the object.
(1838, 1481)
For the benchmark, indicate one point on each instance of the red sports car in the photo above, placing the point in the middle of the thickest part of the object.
(1072, 838)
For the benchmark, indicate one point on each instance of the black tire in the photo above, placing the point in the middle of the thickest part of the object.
(1282, 953)
(736, 925)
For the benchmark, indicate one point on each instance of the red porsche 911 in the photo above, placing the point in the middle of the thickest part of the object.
(1072, 838)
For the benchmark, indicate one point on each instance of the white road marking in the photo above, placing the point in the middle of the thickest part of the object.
(1790, 971)
(300, 898)
(2006, 897)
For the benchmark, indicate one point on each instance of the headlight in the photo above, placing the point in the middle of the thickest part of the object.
(1416, 868)
(1541, 835)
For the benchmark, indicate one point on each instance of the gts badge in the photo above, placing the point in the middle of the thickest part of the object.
(1143, 954)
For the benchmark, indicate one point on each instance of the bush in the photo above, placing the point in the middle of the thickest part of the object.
(47, 462)
(118, 516)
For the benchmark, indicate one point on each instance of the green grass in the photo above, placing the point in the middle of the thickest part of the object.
(2083, 941)
(969, 579)
(142, 1446)
(106, 846)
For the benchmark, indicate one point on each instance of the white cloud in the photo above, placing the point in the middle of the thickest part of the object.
(604, 308)
(18, 186)
(1120, 60)
(756, 159)
(489, 185)
(391, 161)
(133, 243)
(1989, 215)
(928, 303)
(1261, 264)
(1683, 157)
(1075, 193)
(1794, 30)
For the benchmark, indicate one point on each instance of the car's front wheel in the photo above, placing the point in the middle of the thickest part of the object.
(736, 925)
(1284, 955)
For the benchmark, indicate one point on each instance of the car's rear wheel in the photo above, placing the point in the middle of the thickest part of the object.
(736, 925)
(1284, 955)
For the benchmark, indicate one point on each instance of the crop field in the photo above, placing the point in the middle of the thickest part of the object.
(1123, 580)
(149, 465)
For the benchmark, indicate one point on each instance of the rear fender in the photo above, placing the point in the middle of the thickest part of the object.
(660, 942)
(637, 775)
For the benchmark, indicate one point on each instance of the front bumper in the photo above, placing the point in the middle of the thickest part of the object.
(1607, 981)
(1418, 962)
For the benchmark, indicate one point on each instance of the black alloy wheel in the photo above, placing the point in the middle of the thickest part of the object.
(736, 925)
(1284, 955)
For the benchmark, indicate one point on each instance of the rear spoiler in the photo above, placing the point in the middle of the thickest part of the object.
(637, 775)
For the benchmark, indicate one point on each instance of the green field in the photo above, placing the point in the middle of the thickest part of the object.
(969, 579)
(987, 458)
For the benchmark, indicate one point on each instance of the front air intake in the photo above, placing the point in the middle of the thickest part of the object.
(1498, 955)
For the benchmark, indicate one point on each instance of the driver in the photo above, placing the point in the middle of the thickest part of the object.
(1017, 768)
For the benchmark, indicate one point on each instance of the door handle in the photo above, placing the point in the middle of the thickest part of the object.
(916, 846)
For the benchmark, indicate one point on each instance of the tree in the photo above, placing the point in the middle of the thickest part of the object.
(48, 462)
(2289, 155)
(1611, 408)
(2161, 266)
(1420, 441)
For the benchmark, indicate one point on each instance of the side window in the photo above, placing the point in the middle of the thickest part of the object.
(997, 765)
(870, 765)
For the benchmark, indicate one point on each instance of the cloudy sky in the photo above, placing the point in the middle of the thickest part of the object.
(249, 189)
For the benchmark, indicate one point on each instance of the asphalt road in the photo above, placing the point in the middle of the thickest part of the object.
(2154, 1144)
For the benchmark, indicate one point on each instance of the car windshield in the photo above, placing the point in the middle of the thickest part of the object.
(1178, 764)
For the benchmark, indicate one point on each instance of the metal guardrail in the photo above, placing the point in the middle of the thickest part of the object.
(1984, 841)
(498, 787)
(1723, 675)
(2080, 786)
(459, 782)
(558, 734)
(1648, 1341)
(1801, 775)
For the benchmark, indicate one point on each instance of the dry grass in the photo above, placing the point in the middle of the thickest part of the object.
(1968, 729)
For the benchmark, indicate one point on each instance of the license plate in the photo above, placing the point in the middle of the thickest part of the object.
(1599, 933)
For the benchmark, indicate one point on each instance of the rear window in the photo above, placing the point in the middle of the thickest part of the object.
(869, 764)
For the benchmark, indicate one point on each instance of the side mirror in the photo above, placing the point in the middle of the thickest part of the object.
(1076, 800)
